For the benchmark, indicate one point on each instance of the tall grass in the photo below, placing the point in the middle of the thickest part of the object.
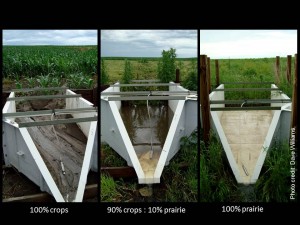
(252, 70)
(182, 185)
(217, 183)
(109, 192)
(274, 182)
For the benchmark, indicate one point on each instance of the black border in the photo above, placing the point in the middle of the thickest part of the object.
(172, 18)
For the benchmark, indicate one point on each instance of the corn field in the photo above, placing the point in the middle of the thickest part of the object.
(55, 61)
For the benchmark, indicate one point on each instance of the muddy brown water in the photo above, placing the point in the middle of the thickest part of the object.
(140, 129)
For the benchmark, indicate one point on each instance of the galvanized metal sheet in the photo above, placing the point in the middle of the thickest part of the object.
(42, 97)
(55, 122)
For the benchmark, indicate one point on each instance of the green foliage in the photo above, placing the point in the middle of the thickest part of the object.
(273, 184)
(19, 85)
(104, 74)
(216, 184)
(55, 82)
(182, 186)
(127, 75)
(205, 182)
(167, 66)
(249, 73)
(142, 70)
(191, 82)
(180, 66)
(126, 190)
(251, 70)
(44, 81)
(79, 80)
(31, 82)
(110, 158)
(108, 191)
(144, 60)
(58, 61)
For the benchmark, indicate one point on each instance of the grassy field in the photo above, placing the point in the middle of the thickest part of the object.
(217, 182)
(143, 68)
(252, 70)
(52, 65)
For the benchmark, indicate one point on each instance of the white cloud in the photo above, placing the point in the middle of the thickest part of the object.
(148, 43)
(49, 37)
(248, 43)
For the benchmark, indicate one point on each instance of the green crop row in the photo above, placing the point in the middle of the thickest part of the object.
(57, 61)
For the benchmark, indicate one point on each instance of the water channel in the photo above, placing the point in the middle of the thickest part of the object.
(147, 135)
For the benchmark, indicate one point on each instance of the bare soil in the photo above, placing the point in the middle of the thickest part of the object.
(15, 184)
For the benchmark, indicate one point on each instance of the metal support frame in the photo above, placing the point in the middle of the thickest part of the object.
(56, 122)
(144, 85)
(49, 112)
(149, 92)
(144, 81)
(250, 101)
(245, 108)
(39, 89)
(248, 89)
(42, 97)
(132, 98)
(247, 82)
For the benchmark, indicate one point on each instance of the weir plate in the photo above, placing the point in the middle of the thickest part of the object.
(113, 131)
(24, 146)
(247, 135)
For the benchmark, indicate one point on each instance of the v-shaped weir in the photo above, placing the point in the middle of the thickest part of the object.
(131, 139)
(147, 134)
(248, 134)
(55, 153)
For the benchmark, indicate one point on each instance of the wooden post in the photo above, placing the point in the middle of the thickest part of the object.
(217, 73)
(177, 76)
(277, 70)
(289, 69)
(204, 98)
(208, 75)
(294, 99)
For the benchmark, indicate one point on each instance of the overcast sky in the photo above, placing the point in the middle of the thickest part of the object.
(218, 44)
(49, 37)
(148, 43)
